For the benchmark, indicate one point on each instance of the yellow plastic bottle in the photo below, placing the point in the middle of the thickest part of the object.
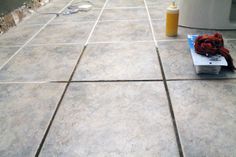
(172, 19)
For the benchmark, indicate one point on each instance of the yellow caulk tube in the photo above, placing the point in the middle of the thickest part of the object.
(172, 18)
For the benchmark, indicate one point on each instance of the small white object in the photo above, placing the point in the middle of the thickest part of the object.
(80, 6)
(85, 7)
(203, 64)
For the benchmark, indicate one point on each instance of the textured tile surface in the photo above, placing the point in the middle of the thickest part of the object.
(205, 113)
(18, 35)
(229, 34)
(178, 64)
(158, 3)
(136, 61)
(25, 112)
(125, 14)
(111, 31)
(53, 7)
(41, 16)
(159, 29)
(96, 3)
(6, 53)
(91, 15)
(60, 2)
(231, 45)
(157, 13)
(46, 63)
(37, 18)
(120, 118)
(112, 119)
(125, 3)
(64, 33)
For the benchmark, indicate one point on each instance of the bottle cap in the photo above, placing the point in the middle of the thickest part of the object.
(173, 7)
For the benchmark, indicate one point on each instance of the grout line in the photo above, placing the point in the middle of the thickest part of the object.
(100, 14)
(90, 21)
(150, 22)
(202, 79)
(31, 24)
(92, 42)
(208, 29)
(111, 42)
(102, 42)
(9, 46)
(171, 40)
(19, 82)
(181, 154)
(156, 19)
(97, 42)
(98, 81)
(230, 39)
(87, 21)
(28, 41)
(58, 82)
(124, 20)
(115, 8)
(31, 82)
(71, 22)
(54, 44)
(104, 81)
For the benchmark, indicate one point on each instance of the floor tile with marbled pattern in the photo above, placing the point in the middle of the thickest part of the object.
(6, 53)
(125, 3)
(97, 4)
(42, 63)
(124, 14)
(123, 61)
(205, 114)
(64, 33)
(18, 35)
(112, 119)
(125, 31)
(158, 3)
(90, 15)
(25, 112)
(157, 13)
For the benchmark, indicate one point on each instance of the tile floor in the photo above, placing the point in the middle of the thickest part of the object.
(103, 84)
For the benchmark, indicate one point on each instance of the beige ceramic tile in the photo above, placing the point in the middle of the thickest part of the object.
(42, 63)
(25, 112)
(6, 53)
(112, 119)
(125, 3)
(136, 61)
(125, 31)
(64, 33)
(205, 114)
(124, 14)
